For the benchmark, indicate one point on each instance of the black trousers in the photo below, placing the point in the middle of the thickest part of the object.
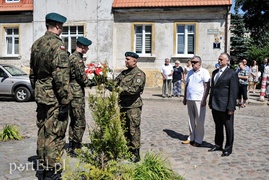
(223, 120)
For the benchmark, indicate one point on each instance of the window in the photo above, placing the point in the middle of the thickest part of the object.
(70, 35)
(12, 41)
(2, 73)
(185, 39)
(8, 1)
(143, 39)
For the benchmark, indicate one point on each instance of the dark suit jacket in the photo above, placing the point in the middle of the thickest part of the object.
(224, 93)
(262, 66)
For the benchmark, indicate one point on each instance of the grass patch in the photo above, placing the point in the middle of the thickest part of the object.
(10, 132)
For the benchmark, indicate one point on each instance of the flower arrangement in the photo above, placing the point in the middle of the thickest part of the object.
(92, 70)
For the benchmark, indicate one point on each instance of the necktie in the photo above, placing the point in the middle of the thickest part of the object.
(217, 76)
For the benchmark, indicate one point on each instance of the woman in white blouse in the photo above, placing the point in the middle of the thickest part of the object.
(253, 77)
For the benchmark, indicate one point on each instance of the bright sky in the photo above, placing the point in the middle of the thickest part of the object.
(232, 9)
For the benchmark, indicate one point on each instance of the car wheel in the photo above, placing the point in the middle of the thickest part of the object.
(22, 94)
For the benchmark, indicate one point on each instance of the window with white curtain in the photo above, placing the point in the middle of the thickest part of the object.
(185, 39)
(12, 41)
(143, 39)
(70, 35)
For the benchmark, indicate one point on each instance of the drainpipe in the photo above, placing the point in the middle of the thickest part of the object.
(226, 29)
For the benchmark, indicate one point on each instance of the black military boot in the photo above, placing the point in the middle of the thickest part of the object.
(52, 174)
(77, 145)
(71, 149)
(136, 155)
(39, 168)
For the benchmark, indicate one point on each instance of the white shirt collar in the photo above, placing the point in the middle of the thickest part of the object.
(223, 69)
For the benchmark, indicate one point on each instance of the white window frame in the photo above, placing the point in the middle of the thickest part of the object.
(144, 33)
(12, 1)
(13, 39)
(186, 33)
(69, 35)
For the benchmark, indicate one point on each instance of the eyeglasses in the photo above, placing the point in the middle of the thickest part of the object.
(194, 62)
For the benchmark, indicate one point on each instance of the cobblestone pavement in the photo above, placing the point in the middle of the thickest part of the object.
(164, 126)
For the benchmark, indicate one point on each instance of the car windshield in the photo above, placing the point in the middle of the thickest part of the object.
(14, 71)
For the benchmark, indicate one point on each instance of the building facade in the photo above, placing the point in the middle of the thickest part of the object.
(155, 30)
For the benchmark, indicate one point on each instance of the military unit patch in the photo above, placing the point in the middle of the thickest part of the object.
(138, 80)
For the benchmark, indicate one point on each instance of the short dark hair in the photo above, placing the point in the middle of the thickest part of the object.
(51, 23)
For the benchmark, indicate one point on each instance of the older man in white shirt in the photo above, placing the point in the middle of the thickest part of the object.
(167, 73)
(196, 92)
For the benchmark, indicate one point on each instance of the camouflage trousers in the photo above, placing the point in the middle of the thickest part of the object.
(132, 118)
(77, 119)
(51, 134)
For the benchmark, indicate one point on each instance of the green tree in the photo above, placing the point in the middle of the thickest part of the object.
(256, 18)
(239, 37)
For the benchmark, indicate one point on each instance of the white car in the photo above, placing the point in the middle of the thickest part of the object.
(14, 82)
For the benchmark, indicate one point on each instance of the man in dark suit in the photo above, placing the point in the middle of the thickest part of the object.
(222, 101)
(262, 67)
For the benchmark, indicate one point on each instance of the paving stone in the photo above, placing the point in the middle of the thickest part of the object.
(164, 126)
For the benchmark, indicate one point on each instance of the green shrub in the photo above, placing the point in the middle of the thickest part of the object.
(10, 132)
(107, 136)
(153, 167)
(106, 157)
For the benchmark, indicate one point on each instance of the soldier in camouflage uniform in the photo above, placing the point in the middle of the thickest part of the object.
(78, 82)
(49, 75)
(131, 83)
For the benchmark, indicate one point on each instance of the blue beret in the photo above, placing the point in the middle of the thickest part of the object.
(84, 41)
(56, 17)
(131, 54)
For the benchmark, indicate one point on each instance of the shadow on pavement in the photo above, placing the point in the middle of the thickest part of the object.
(158, 95)
(182, 137)
(12, 99)
(175, 135)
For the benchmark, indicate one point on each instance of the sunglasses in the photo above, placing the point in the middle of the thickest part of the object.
(194, 62)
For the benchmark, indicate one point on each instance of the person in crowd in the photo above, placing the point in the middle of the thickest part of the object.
(217, 65)
(178, 76)
(245, 62)
(222, 102)
(78, 81)
(167, 74)
(187, 68)
(253, 78)
(243, 75)
(49, 76)
(196, 92)
(131, 82)
(262, 69)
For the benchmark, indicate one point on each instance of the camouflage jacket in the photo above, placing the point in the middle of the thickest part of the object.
(78, 79)
(131, 83)
(50, 70)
